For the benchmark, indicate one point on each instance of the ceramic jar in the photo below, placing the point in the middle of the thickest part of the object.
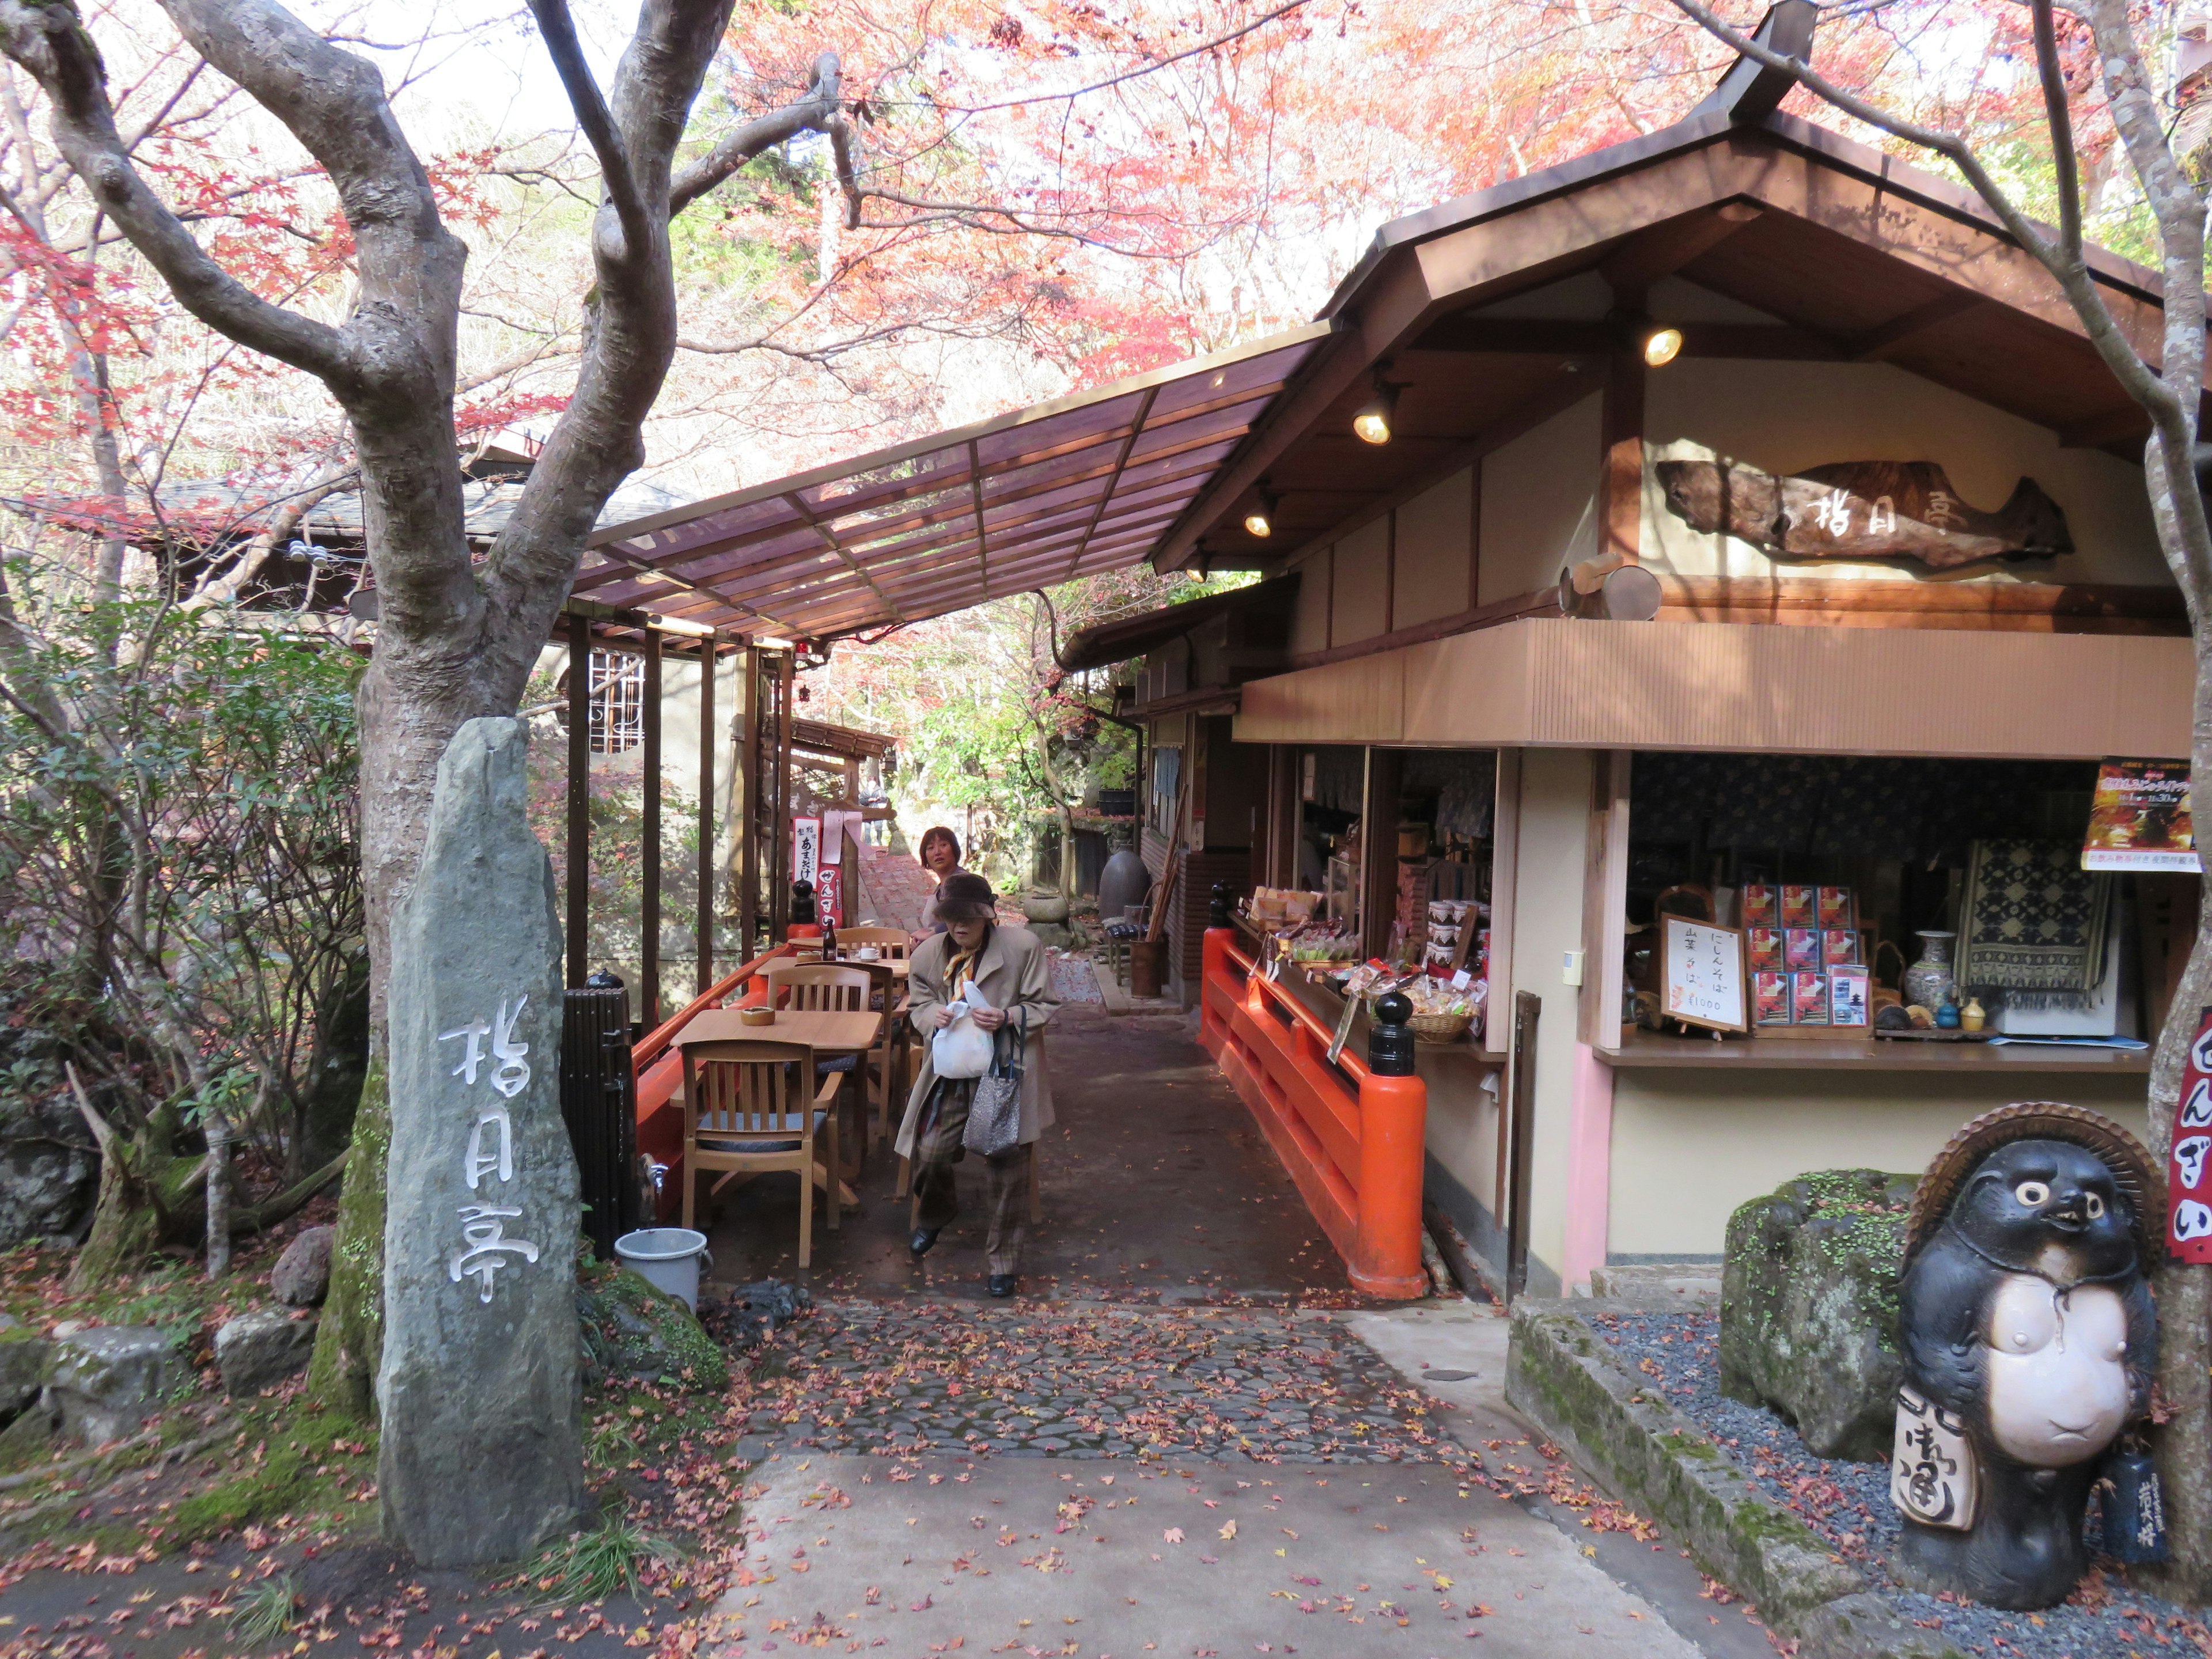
(1929, 980)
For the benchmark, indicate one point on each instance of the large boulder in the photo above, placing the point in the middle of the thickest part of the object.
(23, 1355)
(1808, 1307)
(482, 1454)
(301, 1277)
(260, 1349)
(633, 1329)
(101, 1384)
(48, 1167)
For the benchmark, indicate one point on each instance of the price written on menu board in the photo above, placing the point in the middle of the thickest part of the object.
(1704, 974)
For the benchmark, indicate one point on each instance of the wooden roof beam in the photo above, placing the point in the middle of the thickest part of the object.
(1541, 338)
(2113, 425)
(1880, 344)
(1665, 249)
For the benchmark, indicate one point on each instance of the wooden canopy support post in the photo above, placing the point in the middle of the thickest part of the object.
(1517, 1133)
(748, 812)
(1621, 485)
(1378, 850)
(780, 872)
(706, 920)
(648, 990)
(579, 858)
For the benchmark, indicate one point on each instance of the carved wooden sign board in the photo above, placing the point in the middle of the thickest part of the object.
(1862, 510)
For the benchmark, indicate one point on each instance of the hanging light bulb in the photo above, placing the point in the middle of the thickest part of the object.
(1662, 346)
(1260, 520)
(1373, 422)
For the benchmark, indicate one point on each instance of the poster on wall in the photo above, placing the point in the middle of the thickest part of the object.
(806, 851)
(2188, 1182)
(1704, 974)
(2140, 818)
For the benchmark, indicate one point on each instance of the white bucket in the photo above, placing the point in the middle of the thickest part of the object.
(667, 1258)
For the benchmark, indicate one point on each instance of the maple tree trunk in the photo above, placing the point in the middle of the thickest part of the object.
(455, 639)
(2183, 1291)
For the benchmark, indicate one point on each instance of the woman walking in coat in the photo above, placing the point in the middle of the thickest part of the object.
(1006, 967)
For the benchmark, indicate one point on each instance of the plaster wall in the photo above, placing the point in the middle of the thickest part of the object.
(1433, 564)
(679, 729)
(1690, 1145)
(1538, 496)
(1362, 583)
(1547, 908)
(1310, 620)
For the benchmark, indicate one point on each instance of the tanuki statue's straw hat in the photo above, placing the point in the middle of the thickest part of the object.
(2042, 1120)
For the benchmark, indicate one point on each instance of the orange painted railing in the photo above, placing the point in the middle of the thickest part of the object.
(660, 1074)
(1352, 1140)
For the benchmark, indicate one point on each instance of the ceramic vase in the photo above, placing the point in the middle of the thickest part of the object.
(1929, 980)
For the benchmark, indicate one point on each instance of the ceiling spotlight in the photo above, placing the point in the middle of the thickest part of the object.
(1662, 346)
(1260, 520)
(1372, 422)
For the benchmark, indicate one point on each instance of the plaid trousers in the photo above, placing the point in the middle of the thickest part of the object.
(1005, 1177)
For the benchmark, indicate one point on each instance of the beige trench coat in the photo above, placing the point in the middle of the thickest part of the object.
(1014, 972)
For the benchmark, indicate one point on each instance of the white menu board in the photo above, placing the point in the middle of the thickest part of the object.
(1704, 974)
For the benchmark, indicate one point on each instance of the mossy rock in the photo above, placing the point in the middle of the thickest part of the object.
(631, 1329)
(1808, 1307)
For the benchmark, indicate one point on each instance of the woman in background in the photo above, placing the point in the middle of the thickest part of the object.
(940, 856)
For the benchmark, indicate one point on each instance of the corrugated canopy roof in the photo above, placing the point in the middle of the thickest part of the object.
(1132, 636)
(1047, 494)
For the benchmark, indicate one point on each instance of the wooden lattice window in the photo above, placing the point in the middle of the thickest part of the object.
(618, 702)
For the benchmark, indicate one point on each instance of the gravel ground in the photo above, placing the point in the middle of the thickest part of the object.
(1094, 1382)
(1848, 1504)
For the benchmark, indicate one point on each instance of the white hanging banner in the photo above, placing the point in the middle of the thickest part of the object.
(805, 849)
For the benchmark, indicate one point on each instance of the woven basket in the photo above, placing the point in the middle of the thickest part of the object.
(1440, 1028)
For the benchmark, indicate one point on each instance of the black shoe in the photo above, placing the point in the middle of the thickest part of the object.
(919, 1245)
(1002, 1284)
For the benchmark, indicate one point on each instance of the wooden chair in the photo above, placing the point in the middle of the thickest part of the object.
(880, 1066)
(838, 987)
(755, 1108)
(819, 985)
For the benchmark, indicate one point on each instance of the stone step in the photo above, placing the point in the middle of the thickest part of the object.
(1659, 1284)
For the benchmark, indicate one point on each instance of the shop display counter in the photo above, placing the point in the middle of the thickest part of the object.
(1453, 1071)
(1645, 1049)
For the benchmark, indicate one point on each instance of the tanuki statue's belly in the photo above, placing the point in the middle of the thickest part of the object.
(2057, 1376)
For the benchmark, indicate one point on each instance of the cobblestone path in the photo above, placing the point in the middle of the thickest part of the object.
(1088, 1381)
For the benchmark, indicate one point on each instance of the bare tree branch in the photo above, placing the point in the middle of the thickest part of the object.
(2057, 111)
(559, 30)
(812, 113)
(50, 45)
(2105, 333)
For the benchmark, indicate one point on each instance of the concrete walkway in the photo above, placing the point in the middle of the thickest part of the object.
(1157, 1186)
(1081, 1555)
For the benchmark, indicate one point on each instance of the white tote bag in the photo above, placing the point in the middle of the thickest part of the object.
(962, 1049)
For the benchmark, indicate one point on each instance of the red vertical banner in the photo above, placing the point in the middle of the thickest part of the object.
(2188, 1179)
(830, 894)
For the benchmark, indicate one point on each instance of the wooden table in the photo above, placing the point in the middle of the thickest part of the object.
(829, 1033)
(898, 965)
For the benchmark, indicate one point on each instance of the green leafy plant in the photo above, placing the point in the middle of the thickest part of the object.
(592, 1566)
(265, 1611)
(180, 897)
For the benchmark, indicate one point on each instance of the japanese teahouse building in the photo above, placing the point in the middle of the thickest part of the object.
(1752, 524)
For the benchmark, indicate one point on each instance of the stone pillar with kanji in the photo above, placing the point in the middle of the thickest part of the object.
(482, 1452)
